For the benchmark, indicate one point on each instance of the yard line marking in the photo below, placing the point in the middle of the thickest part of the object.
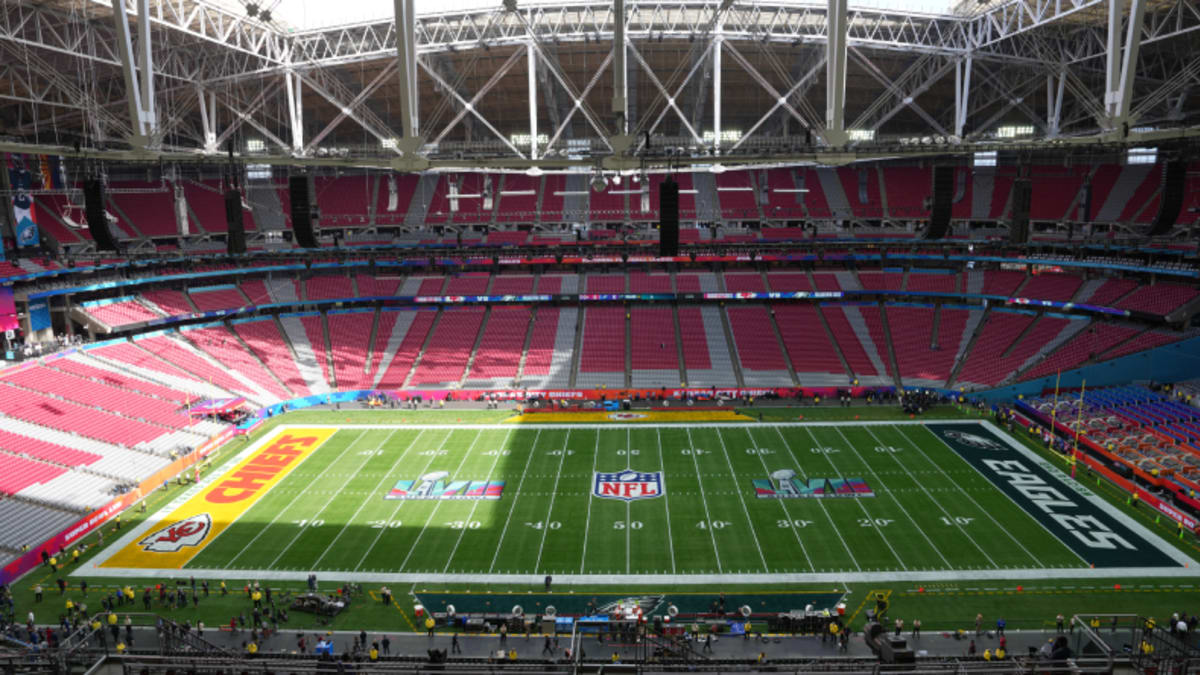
(550, 512)
(860, 506)
(628, 465)
(367, 498)
(587, 524)
(513, 505)
(300, 531)
(1028, 454)
(895, 499)
(299, 494)
(438, 503)
(475, 503)
(746, 511)
(938, 502)
(700, 483)
(791, 523)
(662, 464)
(396, 510)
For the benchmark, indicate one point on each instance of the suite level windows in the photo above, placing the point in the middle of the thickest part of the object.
(1015, 131)
(1141, 156)
(727, 136)
(984, 158)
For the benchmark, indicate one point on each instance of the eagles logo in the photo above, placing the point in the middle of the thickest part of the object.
(973, 440)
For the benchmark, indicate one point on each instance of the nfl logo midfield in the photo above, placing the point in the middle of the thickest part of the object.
(628, 485)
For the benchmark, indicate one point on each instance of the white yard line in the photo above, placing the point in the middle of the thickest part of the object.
(938, 502)
(895, 499)
(299, 494)
(587, 524)
(300, 531)
(515, 496)
(986, 512)
(783, 505)
(820, 502)
(363, 503)
(745, 511)
(395, 511)
(662, 464)
(628, 503)
(437, 504)
(550, 512)
(704, 499)
(856, 500)
(475, 503)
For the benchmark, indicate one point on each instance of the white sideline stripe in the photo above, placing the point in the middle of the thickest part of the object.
(635, 425)
(662, 465)
(803, 578)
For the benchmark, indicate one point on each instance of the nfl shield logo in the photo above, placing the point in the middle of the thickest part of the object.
(628, 485)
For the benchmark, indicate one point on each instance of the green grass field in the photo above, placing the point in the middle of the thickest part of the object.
(932, 515)
(949, 601)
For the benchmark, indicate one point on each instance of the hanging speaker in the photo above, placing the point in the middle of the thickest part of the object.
(302, 216)
(668, 214)
(97, 215)
(235, 240)
(1174, 173)
(1085, 207)
(939, 210)
(1022, 198)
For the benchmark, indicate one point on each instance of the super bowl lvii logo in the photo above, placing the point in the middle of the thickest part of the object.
(783, 484)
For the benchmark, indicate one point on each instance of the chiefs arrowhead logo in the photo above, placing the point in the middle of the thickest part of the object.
(170, 539)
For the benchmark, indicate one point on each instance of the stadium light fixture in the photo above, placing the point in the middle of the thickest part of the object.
(534, 172)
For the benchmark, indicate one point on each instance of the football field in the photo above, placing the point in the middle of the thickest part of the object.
(749, 502)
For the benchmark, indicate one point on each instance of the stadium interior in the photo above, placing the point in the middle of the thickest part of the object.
(224, 215)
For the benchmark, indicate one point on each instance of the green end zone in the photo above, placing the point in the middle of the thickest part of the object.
(824, 505)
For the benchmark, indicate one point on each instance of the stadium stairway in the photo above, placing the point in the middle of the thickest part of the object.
(855, 318)
(306, 358)
(263, 198)
(835, 195)
(418, 208)
(394, 339)
(127, 358)
(1130, 178)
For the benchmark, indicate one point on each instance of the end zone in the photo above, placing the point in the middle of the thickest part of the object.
(196, 518)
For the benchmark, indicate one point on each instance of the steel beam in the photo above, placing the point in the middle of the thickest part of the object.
(138, 90)
(406, 55)
(1122, 62)
(835, 74)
